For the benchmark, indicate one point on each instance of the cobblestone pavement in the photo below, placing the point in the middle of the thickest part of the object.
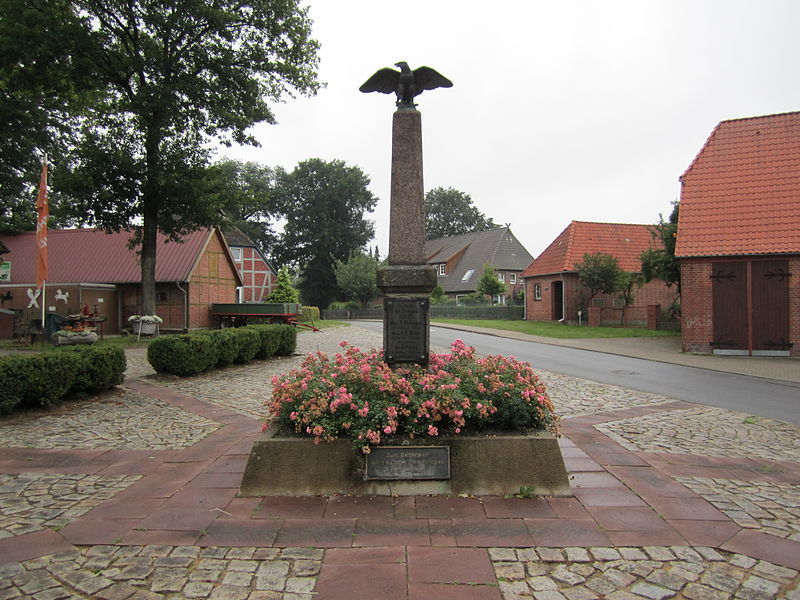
(35, 501)
(149, 572)
(573, 396)
(761, 505)
(707, 431)
(651, 572)
(123, 420)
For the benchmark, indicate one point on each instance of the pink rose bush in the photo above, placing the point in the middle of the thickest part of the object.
(356, 394)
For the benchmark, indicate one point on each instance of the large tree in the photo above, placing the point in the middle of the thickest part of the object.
(324, 205)
(451, 212)
(169, 79)
(244, 192)
(660, 263)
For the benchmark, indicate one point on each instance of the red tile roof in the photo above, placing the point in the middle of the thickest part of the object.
(92, 256)
(623, 241)
(741, 194)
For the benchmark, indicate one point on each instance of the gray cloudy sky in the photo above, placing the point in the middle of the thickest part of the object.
(560, 110)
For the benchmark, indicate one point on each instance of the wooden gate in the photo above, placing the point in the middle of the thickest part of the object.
(729, 294)
(770, 297)
(750, 317)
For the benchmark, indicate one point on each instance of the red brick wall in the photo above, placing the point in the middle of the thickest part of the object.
(696, 306)
(655, 292)
(213, 280)
(794, 305)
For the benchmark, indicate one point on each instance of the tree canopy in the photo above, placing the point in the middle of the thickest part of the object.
(450, 212)
(167, 80)
(660, 263)
(358, 277)
(489, 284)
(324, 204)
(600, 274)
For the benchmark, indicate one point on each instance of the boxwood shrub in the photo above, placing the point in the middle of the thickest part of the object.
(47, 378)
(189, 354)
(183, 354)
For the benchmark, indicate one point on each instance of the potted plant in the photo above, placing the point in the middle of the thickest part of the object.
(145, 324)
(70, 335)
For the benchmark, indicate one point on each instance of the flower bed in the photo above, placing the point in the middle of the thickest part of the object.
(355, 394)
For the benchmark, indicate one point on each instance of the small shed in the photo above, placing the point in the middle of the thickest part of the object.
(739, 239)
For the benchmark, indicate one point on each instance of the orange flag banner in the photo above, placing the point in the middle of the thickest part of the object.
(41, 229)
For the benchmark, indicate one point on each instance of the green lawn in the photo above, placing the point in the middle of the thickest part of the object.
(558, 330)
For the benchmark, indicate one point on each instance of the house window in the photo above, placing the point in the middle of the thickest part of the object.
(162, 297)
(601, 302)
(443, 269)
(501, 277)
(619, 302)
(537, 291)
(237, 254)
(467, 275)
(512, 278)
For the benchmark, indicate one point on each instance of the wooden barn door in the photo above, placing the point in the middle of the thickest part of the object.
(729, 301)
(770, 297)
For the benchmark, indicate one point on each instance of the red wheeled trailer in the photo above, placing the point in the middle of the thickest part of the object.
(236, 315)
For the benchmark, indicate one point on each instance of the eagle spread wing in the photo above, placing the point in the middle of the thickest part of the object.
(383, 81)
(426, 78)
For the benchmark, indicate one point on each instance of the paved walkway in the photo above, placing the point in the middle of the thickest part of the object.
(134, 495)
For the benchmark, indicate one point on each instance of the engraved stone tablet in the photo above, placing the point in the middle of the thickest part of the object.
(406, 330)
(408, 462)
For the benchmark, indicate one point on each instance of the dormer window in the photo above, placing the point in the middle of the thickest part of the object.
(443, 269)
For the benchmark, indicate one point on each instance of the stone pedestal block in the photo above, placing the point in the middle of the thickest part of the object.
(479, 464)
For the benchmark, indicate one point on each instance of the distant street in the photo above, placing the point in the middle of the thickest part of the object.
(751, 395)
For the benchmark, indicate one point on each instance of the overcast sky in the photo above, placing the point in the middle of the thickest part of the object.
(560, 110)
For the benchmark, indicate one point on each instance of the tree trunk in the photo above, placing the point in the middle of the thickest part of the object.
(151, 200)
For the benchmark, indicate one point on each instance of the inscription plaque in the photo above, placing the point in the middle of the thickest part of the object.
(406, 330)
(408, 462)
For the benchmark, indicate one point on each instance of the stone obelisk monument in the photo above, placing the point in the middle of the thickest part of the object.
(407, 282)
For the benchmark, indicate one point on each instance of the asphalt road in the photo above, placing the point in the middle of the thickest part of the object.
(751, 395)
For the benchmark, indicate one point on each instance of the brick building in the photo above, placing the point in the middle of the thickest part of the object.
(552, 289)
(97, 268)
(739, 239)
(259, 277)
(459, 261)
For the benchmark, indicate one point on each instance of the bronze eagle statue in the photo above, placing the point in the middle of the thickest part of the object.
(405, 83)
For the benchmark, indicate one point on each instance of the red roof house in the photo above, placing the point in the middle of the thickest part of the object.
(739, 239)
(89, 266)
(552, 289)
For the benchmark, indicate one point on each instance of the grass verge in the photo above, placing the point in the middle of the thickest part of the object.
(558, 330)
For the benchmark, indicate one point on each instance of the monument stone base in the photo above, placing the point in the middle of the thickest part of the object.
(478, 465)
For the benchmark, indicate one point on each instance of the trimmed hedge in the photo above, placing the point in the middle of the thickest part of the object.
(190, 354)
(47, 378)
(309, 314)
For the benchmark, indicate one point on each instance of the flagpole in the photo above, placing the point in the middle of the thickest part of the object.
(42, 212)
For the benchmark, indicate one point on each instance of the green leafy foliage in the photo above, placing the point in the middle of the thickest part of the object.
(450, 212)
(190, 354)
(660, 262)
(324, 204)
(599, 273)
(47, 378)
(358, 277)
(285, 292)
(165, 79)
(184, 354)
(489, 284)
